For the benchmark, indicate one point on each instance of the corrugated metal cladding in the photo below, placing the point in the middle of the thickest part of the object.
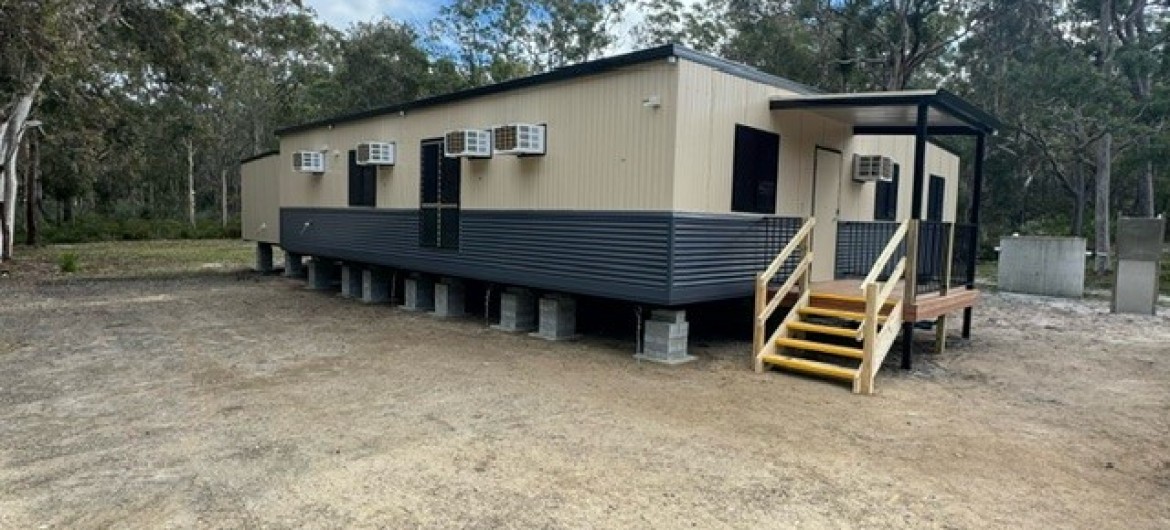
(260, 199)
(718, 256)
(859, 206)
(608, 254)
(711, 104)
(659, 258)
(605, 149)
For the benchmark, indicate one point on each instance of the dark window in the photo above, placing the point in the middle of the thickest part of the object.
(438, 213)
(934, 206)
(363, 182)
(757, 163)
(885, 204)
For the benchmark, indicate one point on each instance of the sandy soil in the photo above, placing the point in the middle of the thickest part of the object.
(238, 401)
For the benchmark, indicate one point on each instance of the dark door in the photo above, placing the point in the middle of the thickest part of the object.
(757, 162)
(885, 204)
(932, 234)
(438, 197)
(934, 204)
(363, 182)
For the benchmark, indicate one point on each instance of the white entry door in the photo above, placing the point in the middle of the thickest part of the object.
(826, 205)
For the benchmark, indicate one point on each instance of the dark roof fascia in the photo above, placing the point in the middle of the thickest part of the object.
(563, 74)
(909, 130)
(978, 121)
(265, 154)
(967, 112)
(860, 100)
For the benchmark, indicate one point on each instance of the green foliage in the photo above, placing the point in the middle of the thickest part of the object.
(92, 229)
(68, 262)
(496, 40)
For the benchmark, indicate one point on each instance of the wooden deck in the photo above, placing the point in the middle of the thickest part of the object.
(928, 306)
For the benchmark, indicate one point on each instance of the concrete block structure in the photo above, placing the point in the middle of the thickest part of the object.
(322, 274)
(376, 285)
(557, 318)
(517, 311)
(1139, 259)
(664, 337)
(418, 293)
(294, 266)
(1050, 266)
(264, 258)
(450, 298)
(351, 280)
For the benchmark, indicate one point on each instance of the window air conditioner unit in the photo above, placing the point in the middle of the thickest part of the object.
(518, 139)
(468, 143)
(309, 162)
(375, 154)
(873, 168)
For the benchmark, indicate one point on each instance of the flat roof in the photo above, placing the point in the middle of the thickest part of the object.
(895, 112)
(566, 73)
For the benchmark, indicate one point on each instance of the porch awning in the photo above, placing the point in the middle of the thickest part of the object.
(895, 113)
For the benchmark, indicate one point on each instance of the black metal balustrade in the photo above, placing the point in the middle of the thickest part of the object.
(859, 243)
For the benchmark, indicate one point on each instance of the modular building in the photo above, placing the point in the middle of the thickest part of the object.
(663, 177)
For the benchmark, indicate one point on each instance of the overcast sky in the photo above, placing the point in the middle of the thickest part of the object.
(341, 13)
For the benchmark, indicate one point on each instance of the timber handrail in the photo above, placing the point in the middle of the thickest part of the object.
(791, 247)
(876, 342)
(887, 253)
(765, 307)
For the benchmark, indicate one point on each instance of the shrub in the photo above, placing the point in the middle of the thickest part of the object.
(90, 229)
(68, 262)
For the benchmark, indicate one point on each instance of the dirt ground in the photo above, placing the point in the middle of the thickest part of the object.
(231, 400)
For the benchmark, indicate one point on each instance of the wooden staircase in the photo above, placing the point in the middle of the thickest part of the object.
(824, 338)
(827, 335)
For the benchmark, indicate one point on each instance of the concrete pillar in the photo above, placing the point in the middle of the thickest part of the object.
(449, 298)
(351, 280)
(375, 285)
(557, 317)
(517, 310)
(293, 266)
(419, 293)
(263, 257)
(664, 337)
(322, 274)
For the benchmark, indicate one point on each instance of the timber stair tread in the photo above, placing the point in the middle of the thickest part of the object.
(809, 366)
(809, 327)
(821, 347)
(847, 298)
(856, 316)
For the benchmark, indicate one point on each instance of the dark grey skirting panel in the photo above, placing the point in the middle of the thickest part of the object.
(664, 258)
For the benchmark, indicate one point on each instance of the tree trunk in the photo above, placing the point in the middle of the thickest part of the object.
(1078, 228)
(223, 194)
(1147, 192)
(11, 132)
(32, 193)
(1102, 263)
(191, 182)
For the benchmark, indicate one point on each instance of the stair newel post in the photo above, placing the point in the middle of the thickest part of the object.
(807, 253)
(759, 322)
(869, 331)
(910, 295)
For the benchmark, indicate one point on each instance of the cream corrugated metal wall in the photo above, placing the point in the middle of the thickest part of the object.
(901, 148)
(260, 199)
(711, 103)
(606, 150)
